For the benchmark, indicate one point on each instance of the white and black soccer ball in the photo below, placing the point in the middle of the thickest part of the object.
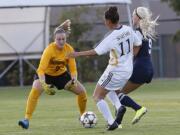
(88, 119)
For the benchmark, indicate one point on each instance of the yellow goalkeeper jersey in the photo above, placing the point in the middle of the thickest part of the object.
(54, 61)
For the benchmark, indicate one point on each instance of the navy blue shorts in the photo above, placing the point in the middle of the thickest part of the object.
(142, 71)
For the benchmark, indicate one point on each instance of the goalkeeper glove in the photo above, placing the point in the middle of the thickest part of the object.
(48, 88)
(71, 85)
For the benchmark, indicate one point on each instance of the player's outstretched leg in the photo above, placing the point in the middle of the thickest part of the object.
(24, 123)
(139, 114)
(30, 107)
(120, 113)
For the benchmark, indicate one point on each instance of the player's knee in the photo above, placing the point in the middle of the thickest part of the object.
(95, 98)
(37, 85)
(118, 92)
(80, 87)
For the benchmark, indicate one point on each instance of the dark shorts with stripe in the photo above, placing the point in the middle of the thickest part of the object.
(142, 71)
(58, 81)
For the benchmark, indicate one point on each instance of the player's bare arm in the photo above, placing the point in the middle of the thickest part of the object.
(82, 53)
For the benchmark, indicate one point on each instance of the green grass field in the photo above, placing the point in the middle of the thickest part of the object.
(58, 115)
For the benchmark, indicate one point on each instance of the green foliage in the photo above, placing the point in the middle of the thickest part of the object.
(29, 73)
(176, 37)
(175, 4)
(12, 76)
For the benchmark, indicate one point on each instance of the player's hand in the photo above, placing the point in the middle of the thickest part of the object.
(71, 85)
(48, 89)
(66, 25)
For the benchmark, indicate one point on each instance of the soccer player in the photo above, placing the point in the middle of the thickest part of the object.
(52, 72)
(120, 44)
(143, 68)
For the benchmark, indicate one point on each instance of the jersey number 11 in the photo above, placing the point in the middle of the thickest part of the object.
(125, 47)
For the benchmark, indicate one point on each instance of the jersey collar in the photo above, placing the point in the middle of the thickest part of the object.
(118, 28)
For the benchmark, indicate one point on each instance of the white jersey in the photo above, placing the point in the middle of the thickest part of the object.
(120, 45)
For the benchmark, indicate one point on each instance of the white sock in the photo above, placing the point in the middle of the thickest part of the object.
(112, 96)
(104, 109)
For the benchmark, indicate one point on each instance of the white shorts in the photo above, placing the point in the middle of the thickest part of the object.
(114, 80)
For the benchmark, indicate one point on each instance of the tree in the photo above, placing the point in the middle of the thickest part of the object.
(175, 4)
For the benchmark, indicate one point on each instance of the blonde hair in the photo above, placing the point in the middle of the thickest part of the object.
(59, 30)
(146, 23)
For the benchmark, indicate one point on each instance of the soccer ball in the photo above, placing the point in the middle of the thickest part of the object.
(88, 119)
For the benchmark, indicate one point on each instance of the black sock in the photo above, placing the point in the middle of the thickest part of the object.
(129, 102)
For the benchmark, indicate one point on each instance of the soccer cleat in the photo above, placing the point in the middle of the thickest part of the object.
(120, 126)
(112, 127)
(24, 123)
(120, 113)
(139, 114)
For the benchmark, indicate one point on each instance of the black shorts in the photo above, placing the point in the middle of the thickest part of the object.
(142, 71)
(141, 76)
(58, 81)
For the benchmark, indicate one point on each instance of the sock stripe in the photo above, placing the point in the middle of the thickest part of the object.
(121, 96)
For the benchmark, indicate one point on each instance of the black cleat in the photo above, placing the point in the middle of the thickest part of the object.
(113, 126)
(119, 115)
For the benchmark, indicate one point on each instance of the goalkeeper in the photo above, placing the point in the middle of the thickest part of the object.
(52, 73)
